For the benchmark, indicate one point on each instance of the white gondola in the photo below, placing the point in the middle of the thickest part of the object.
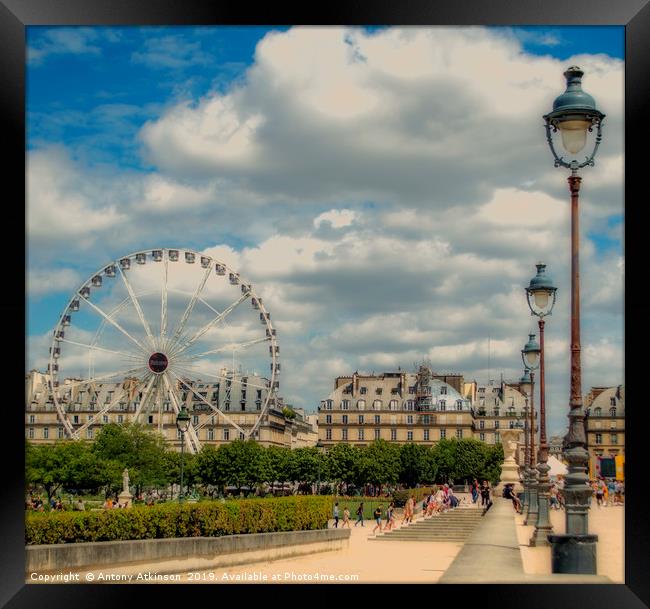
(220, 269)
(157, 255)
(245, 288)
(55, 351)
(277, 367)
(125, 264)
(233, 278)
(141, 258)
(52, 368)
(110, 271)
(274, 349)
(65, 321)
(189, 257)
(173, 255)
(270, 332)
(255, 303)
(264, 317)
(85, 292)
(205, 262)
(97, 281)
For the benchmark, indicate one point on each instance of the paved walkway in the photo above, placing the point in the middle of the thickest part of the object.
(607, 523)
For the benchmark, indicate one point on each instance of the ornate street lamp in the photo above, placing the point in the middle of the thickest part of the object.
(541, 299)
(575, 114)
(183, 424)
(530, 357)
(525, 386)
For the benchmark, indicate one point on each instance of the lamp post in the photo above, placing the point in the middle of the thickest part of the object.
(574, 114)
(182, 423)
(530, 357)
(525, 386)
(540, 294)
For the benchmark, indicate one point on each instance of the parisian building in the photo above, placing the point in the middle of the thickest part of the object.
(421, 407)
(604, 409)
(240, 397)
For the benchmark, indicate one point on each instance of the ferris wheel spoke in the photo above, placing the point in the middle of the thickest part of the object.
(103, 377)
(188, 310)
(212, 323)
(225, 378)
(231, 347)
(131, 355)
(212, 406)
(163, 302)
(101, 411)
(191, 439)
(114, 323)
(145, 397)
(137, 307)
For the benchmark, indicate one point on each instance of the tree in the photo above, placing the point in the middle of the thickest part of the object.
(415, 464)
(277, 465)
(307, 465)
(380, 463)
(341, 463)
(491, 469)
(243, 462)
(137, 448)
(211, 467)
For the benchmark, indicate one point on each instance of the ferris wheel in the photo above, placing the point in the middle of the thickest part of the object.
(157, 329)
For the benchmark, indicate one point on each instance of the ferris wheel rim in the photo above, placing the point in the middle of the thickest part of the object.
(210, 264)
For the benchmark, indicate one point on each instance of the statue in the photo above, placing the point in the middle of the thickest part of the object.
(125, 480)
(125, 497)
(510, 469)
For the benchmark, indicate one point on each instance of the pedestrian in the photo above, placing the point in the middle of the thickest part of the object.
(390, 517)
(474, 490)
(336, 515)
(485, 493)
(600, 492)
(377, 515)
(509, 493)
(346, 517)
(618, 496)
(408, 510)
(359, 515)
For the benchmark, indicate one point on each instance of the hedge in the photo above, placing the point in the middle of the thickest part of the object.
(205, 519)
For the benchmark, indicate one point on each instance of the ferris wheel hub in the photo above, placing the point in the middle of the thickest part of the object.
(158, 363)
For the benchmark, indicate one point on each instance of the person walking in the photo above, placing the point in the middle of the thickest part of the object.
(408, 510)
(377, 515)
(359, 515)
(346, 517)
(390, 516)
(336, 515)
(485, 493)
(600, 492)
(474, 490)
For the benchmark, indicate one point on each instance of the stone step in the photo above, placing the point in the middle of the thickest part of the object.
(429, 539)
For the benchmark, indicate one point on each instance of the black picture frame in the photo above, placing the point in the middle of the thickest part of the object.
(15, 15)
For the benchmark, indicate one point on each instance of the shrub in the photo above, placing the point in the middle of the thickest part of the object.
(204, 519)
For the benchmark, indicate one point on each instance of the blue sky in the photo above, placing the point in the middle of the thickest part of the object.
(106, 109)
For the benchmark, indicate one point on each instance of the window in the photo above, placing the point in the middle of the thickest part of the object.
(409, 405)
(361, 435)
(32, 418)
(392, 405)
(409, 435)
(443, 434)
(242, 405)
(363, 390)
(226, 434)
(329, 404)
(90, 417)
(30, 433)
(328, 434)
(599, 438)
(378, 390)
(496, 412)
(442, 405)
(361, 405)
(344, 434)
(105, 418)
(496, 425)
(612, 412)
(612, 401)
(46, 433)
(481, 424)
(259, 394)
(443, 390)
(328, 418)
(459, 404)
(425, 419)
(482, 437)
(344, 419)
(481, 389)
(360, 419)
(412, 389)
(89, 433)
(75, 419)
(59, 433)
(393, 434)
(394, 391)
(613, 438)
(409, 419)
(598, 412)
(376, 405)
(377, 419)
(226, 405)
(210, 434)
(377, 434)
(195, 420)
(497, 437)
(120, 418)
(345, 405)
(426, 435)
(241, 435)
(459, 433)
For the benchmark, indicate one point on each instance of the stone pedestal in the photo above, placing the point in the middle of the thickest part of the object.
(125, 499)
(509, 469)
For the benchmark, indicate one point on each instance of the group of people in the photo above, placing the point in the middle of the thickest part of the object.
(608, 492)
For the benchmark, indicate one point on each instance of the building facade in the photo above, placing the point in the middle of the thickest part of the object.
(605, 430)
(240, 398)
(421, 407)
